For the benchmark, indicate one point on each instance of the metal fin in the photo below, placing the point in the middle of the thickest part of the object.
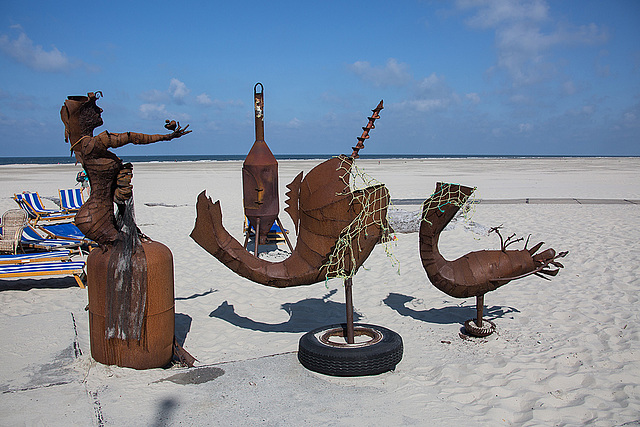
(534, 249)
(292, 200)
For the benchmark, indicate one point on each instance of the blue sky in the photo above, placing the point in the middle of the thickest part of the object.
(485, 77)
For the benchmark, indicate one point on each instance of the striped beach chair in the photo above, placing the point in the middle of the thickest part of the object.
(32, 204)
(32, 239)
(53, 256)
(35, 269)
(71, 199)
(274, 235)
(63, 231)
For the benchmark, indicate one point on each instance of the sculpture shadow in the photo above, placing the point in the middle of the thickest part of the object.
(182, 328)
(266, 247)
(445, 315)
(28, 284)
(304, 315)
(193, 296)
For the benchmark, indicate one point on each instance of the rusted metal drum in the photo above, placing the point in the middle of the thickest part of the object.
(155, 348)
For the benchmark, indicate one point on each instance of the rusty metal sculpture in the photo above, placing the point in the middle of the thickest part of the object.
(130, 278)
(337, 229)
(260, 182)
(475, 273)
(320, 208)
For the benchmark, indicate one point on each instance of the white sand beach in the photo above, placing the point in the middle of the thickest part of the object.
(565, 352)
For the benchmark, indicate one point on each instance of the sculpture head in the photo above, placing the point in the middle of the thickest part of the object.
(81, 115)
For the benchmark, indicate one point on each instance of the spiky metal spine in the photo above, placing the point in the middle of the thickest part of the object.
(366, 129)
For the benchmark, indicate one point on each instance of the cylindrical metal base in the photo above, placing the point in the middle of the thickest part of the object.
(155, 348)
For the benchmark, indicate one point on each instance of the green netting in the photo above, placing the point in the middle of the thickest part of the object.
(450, 194)
(342, 261)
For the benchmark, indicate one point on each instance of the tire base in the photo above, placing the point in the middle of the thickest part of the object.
(381, 354)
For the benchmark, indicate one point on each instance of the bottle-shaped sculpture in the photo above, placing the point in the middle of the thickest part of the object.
(260, 178)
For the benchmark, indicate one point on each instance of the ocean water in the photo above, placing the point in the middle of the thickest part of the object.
(223, 157)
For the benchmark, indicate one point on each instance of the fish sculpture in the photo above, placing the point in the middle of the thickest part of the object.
(475, 273)
(337, 227)
(321, 207)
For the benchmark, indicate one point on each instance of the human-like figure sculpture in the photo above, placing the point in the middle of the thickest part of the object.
(109, 177)
(130, 326)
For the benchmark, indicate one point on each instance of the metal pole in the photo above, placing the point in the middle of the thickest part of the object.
(258, 105)
(349, 303)
(479, 310)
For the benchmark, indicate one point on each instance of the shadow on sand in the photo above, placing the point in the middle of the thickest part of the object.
(304, 315)
(445, 315)
(183, 326)
(44, 283)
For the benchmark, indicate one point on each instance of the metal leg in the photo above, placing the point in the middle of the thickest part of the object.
(349, 303)
(479, 310)
(286, 239)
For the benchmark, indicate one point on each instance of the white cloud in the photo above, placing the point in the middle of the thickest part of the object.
(230, 103)
(525, 33)
(495, 12)
(425, 105)
(204, 99)
(473, 97)
(23, 50)
(569, 88)
(154, 96)
(392, 73)
(178, 91)
(630, 118)
(294, 123)
(153, 111)
(525, 127)
(431, 82)
(520, 99)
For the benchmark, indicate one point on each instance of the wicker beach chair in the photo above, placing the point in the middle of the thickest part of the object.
(13, 222)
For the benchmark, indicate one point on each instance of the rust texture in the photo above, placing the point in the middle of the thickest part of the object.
(129, 274)
(320, 210)
(109, 178)
(260, 177)
(475, 273)
(154, 347)
(365, 130)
